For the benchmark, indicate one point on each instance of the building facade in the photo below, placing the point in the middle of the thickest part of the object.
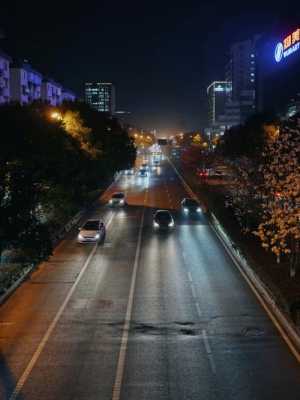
(101, 96)
(51, 92)
(5, 61)
(241, 71)
(279, 65)
(67, 95)
(25, 83)
(219, 93)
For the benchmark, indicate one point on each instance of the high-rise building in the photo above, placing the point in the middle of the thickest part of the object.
(101, 96)
(241, 71)
(5, 60)
(218, 93)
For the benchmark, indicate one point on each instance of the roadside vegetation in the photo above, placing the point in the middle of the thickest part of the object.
(53, 162)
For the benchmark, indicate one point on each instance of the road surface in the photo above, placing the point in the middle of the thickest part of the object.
(144, 316)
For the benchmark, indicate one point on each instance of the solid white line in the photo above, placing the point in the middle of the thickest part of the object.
(265, 306)
(208, 351)
(22, 380)
(124, 342)
(190, 276)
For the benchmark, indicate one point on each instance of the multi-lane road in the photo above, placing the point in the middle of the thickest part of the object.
(143, 316)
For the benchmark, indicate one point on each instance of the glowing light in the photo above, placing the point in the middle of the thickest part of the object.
(56, 115)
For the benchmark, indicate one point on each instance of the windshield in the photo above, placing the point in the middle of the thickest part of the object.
(118, 196)
(163, 216)
(190, 203)
(91, 226)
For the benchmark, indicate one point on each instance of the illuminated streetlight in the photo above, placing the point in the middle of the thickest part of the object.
(56, 115)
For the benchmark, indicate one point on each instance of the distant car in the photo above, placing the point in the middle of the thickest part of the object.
(92, 231)
(117, 199)
(145, 166)
(143, 172)
(129, 172)
(190, 206)
(163, 219)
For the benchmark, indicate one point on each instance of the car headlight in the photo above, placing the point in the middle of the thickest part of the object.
(80, 236)
(186, 210)
(97, 236)
(171, 224)
(110, 201)
(121, 201)
(199, 209)
(155, 224)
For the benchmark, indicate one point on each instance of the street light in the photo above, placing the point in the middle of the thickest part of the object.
(56, 115)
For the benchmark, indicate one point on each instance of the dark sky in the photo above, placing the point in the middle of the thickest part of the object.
(161, 55)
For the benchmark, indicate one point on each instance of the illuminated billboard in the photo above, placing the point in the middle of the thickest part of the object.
(288, 46)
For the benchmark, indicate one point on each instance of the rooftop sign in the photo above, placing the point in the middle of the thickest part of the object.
(288, 46)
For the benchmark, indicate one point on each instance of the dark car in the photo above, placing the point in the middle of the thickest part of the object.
(143, 172)
(163, 220)
(190, 206)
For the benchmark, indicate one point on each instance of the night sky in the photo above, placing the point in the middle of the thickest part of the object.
(161, 55)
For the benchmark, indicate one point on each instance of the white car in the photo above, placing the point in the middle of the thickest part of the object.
(117, 199)
(92, 231)
(129, 172)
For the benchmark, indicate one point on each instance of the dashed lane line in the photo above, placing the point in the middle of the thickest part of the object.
(208, 351)
(124, 342)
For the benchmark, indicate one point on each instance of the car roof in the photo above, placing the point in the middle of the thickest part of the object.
(163, 212)
(118, 194)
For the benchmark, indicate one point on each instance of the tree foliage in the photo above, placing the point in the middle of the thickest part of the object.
(47, 167)
(279, 229)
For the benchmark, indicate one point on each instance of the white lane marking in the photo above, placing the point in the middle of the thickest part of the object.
(209, 352)
(265, 306)
(124, 342)
(198, 309)
(193, 291)
(22, 380)
(190, 276)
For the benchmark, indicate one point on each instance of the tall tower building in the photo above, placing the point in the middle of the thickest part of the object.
(241, 70)
(101, 96)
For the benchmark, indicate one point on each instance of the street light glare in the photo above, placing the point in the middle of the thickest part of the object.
(56, 115)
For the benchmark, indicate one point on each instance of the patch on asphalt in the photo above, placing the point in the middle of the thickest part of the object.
(252, 331)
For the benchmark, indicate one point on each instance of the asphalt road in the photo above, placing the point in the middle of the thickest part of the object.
(147, 315)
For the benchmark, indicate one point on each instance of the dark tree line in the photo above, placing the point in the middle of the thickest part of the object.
(49, 167)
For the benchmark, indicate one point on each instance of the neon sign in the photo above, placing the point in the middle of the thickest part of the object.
(288, 46)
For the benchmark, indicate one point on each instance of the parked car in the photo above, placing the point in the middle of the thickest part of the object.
(92, 231)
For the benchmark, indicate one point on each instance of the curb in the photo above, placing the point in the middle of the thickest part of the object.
(285, 325)
(15, 285)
